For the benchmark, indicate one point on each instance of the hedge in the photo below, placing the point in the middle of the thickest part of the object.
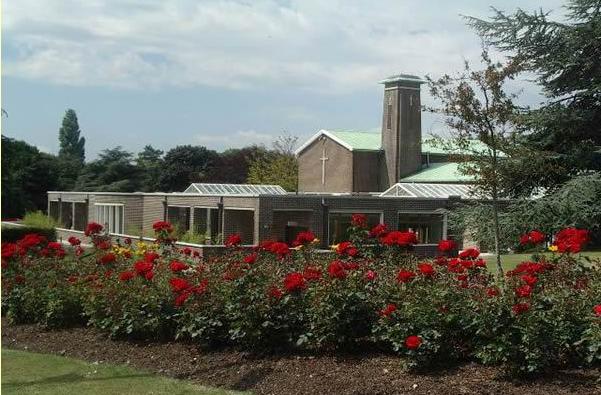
(14, 233)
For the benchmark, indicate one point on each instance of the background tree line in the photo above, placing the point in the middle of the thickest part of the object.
(28, 173)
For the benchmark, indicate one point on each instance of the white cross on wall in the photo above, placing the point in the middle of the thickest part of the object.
(323, 160)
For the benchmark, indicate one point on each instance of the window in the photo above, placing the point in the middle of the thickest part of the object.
(180, 218)
(389, 117)
(206, 222)
(110, 216)
(428, 227)
(340, 222)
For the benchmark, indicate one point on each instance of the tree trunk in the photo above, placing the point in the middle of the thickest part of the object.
(495, 214)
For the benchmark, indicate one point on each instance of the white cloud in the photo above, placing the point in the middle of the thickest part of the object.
(334, 46)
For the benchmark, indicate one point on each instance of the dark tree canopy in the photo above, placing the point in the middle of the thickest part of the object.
(150, 163)
(186, 164)
(72, 145)
(234, 164)
(565, 58)
(27, 175)
(113, 171)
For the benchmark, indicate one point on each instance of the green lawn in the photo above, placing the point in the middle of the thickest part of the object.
(31, 373)
(510, 261)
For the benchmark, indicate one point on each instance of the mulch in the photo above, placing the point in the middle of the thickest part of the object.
(290, 374)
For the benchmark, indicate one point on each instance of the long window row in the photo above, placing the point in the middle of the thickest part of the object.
(111, 217)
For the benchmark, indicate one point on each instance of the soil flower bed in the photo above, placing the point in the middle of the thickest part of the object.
(374, 298)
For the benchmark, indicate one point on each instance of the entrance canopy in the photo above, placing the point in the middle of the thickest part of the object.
(419, 190)
(234, 189)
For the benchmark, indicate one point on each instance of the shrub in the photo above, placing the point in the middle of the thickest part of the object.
(14, 233)
(38, 219)
(373, 291)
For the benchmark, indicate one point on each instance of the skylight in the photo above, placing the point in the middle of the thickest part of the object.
(234, 189)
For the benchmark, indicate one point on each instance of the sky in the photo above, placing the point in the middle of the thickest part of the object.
(223, 74)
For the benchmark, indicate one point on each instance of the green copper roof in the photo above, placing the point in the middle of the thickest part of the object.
(360, 140)
(439, 172)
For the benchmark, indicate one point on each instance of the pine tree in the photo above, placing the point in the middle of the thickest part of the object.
(72, 146)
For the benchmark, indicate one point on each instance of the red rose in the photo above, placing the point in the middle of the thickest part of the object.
(470, 253)
(347, 248)
(126, 276)
(74, 241)
(275, 247)
(108, 258)
(294, 282)
(181, 298)
(9, 250)
(72, 279)
(378, 231)
(303, 238)
(426, 269)
(370, 275)
(149, 275)
(162, 226)
(529, 279)
(404, 276)
(233, 240)
(151, 256)
(401, 239)
(201, 288)
(187, 251)
(536, 237)
(103, 245)
(413, 342)
(275, 293)
(492, 292)
(446, 245)
(142, 267)
(177, 266)
(520, 308)
(127, 241)
(388, 310)
(524, 240)
(571, 240)
(524, 291)
(93, 228)
(311, 273)
(252, 258)
(359, 220)
(336, 270)
(178, 284)
(597, 310)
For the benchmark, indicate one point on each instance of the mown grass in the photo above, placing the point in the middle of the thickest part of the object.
(32, 373)
(509, 261)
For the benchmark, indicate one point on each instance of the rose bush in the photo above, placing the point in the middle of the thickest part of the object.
(371, 290)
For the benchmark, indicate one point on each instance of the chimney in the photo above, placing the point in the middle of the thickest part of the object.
(401, 127)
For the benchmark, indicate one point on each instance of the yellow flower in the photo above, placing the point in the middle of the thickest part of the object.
(297, 248)
(553, 248)
(315, 241)
(334, 246)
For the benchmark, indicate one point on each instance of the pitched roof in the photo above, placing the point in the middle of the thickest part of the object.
(447, 172)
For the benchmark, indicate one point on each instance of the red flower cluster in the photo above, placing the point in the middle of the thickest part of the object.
(312, 273)
(571, 240)
(74, 241)
(523, 291)
(533, 237)
(359, 221)
(378, 231)
(179, 284)
(404, 276)
(370, 275)
(108, 258)
(413, 342)
(93, 228)
(531, 268)
(597, 310)
(162, 226)
(401, 239)
(275, 247)
(520, 308)
(233, 240)
(303, 238)
(336, 269)
(470, 253)
(177, 266)
(294, 282)
(426, 269)
(387, 311)
(251, 258)
(347, 248)
(127, 275)
(446, 245)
